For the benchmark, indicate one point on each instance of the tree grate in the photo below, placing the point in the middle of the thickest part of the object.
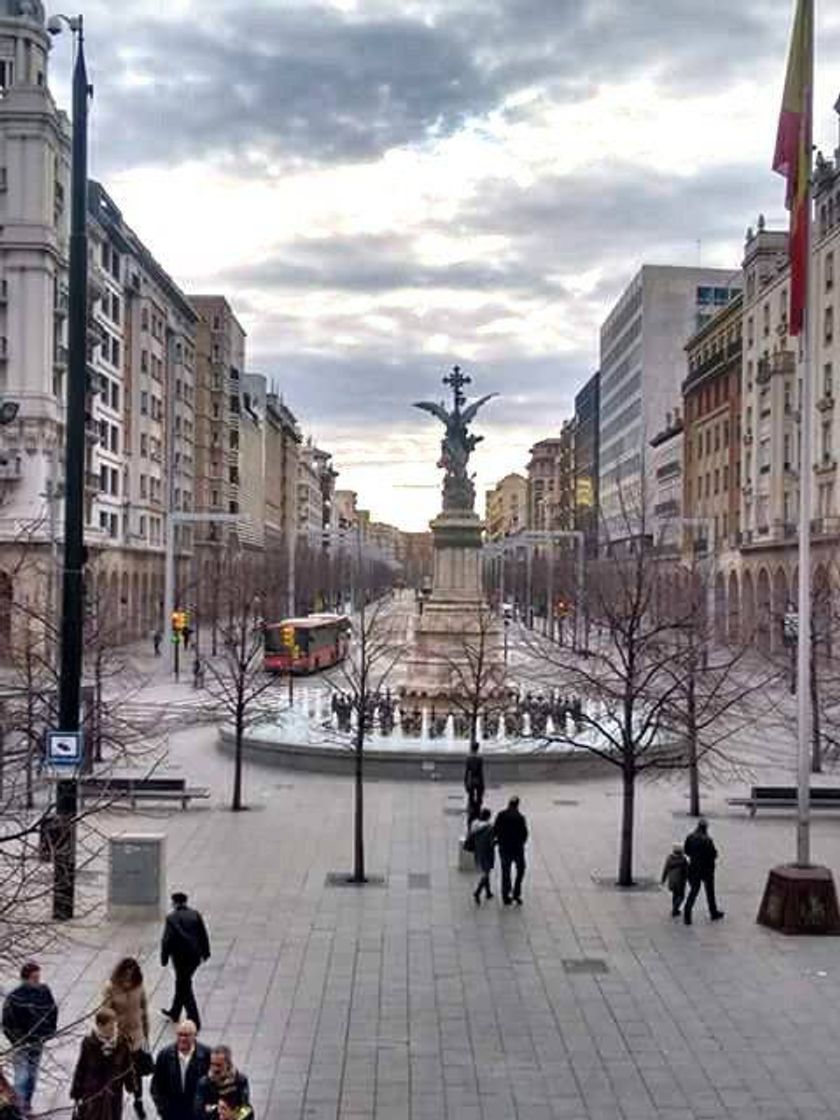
(585, 966)
(345, 879)
(419, 880)
(641, 883)
(451, 811)
(566, 804)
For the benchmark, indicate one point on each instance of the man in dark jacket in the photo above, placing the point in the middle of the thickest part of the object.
(223, 1079)
(186, 943)
(702, 854)
(30, 1017)
(178, 1070)
(474, 783)
(511, 831)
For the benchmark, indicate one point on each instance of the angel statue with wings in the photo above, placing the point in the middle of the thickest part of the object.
(458, 443)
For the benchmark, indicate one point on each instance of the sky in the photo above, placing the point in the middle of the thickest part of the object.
(384, 188)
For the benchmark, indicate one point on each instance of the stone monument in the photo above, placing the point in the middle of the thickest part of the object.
(455, 619)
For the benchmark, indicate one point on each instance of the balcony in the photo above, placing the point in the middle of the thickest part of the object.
(826, 465)
(826, 402)
(91, 431)
(11, 469)
(748, 436)
(783, 362)
(92, 482)
(825, 526)
(61, 302)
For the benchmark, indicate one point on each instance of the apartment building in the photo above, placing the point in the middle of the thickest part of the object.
(280, 445)
(712, 441)
(34, 216)
(220, 365)
(586, 463)
(641, 372)
(505, 507)
(315, 492)
(543, 488)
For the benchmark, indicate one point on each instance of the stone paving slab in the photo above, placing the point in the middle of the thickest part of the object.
(408, 1003)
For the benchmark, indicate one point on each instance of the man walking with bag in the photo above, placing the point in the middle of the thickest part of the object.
(186, 944)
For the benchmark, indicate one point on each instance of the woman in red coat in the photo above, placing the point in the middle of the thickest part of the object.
(103, 1070)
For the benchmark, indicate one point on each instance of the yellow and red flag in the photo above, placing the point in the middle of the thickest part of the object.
(793, 153)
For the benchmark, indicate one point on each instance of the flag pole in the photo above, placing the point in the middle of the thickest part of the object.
(806, 477)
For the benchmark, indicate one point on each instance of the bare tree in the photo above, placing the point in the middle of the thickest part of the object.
(236, 680)
(377, 645)
(477, 676)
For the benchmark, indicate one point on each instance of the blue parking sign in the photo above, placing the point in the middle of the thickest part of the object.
(64, 749)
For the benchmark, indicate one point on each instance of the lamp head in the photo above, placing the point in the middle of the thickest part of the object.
(8, 411)
(54, 25)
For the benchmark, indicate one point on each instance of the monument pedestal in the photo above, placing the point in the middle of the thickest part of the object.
(800, 900)
(455, 625)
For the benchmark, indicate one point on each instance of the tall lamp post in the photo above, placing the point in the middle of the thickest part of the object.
(72, 598)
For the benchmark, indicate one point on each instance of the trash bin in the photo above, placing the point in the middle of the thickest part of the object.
(49, 837)
(136, 876)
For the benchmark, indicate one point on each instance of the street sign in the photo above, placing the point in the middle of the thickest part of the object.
(64, 749)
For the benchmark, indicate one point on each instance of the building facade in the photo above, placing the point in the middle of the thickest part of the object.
(641, 373)
(586, 463)
(543, 485)
(505, 511)
(712, 455)
(665, 518)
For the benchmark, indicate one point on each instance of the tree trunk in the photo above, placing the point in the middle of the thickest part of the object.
(691, 743)
(359, 803)
(816, 737)
(237, 805)
(625, 858)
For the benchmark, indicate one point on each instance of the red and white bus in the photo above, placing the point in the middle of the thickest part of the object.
(305, 645)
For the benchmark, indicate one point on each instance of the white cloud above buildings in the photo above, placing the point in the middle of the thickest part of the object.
(384, 188)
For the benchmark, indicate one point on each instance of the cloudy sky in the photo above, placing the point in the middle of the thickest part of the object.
(385, 187)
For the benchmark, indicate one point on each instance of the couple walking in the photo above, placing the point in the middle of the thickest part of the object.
(509, 832)
(692, 864)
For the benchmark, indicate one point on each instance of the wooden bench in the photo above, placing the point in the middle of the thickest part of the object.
(141, 789)
(785, 797)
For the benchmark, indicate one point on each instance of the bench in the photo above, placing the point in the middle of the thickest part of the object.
(141, 789)
(785, 797)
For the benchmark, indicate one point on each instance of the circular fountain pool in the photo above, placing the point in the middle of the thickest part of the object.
(307, 737)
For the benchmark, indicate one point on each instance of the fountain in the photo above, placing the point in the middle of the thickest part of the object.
(422, 731)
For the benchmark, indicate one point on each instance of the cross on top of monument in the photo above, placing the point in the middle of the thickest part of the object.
(457, 380)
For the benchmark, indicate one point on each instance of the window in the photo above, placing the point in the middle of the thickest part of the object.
(717, 437)
(828, 386)
(144, 403)
(113, 525)
(115, 396)
(750, 331)
(829, 325)
(115, 264)
(144, 319)
(115, 439)
(115, 352)
(826, 440)
(726, 433)
(142, 527)
(144, 486)
(144, 361)
(708, 441)
(115, 308)
(103, 479)
(829, 271)
(144, 446)
(787, 448)
(725, 479)
(103, 521)
(765, 319)
(717, 481)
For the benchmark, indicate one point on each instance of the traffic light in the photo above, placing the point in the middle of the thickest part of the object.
(179, 621)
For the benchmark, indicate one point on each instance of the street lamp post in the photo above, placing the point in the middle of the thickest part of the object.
(72, 598)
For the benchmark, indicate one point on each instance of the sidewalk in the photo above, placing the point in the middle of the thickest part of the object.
(406, 1002)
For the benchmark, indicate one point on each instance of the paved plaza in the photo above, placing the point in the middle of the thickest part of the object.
(406, 1002)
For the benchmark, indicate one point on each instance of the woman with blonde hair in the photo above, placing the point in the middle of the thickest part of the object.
(125, 995)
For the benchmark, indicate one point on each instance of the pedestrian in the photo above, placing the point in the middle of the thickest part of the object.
(30, 1017)
(185, 633)
(126, 996)
(511, 830)
(102, 1070)
(474, 782)
(157, 638)
(675, 874)
(484, 843)
(178, 1069)
(186, 944)
(222, 1079)
(198, 672)
(702, 856)
(232, 1107)
(9, 1103)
